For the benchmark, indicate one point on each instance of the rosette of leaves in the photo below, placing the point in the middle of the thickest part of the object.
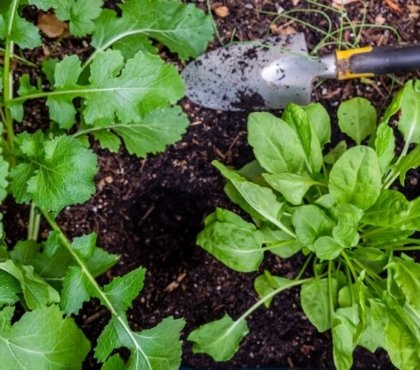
(342, 211)
(122, 94)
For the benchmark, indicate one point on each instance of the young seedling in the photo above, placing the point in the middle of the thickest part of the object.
(340, 212)
(125, 93)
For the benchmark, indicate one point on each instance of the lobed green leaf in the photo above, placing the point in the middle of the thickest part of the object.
(41, 339)
(184, 29)
(53, 173)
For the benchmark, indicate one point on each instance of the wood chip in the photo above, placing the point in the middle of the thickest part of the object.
(414, 11)
(340, 3)
(222, 11)
(50, 25)
(379, 20)
(393, 5)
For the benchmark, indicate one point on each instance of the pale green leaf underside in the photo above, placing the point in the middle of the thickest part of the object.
(156, 348)
(184, 29)
(41, 339)
(219, 339)
(149, 135)
(232, 240)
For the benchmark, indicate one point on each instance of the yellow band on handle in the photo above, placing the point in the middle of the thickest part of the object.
(343, 63)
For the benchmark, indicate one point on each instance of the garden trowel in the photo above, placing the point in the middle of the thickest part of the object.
(270, 73)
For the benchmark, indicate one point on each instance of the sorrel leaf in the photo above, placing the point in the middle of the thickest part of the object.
(357, 118)
(232, 240)
(276, 145)
(320, 122)
(220, 339)
(314, 298)
(356, 177)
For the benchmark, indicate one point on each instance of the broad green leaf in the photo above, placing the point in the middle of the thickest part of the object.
(279, 242)
(267, 283)
(150, 134)
(156, 348)
(391, 209)
(327, 248)
(402, 344)
(348, 217)
(262, 200)
(408, 101)
(123, 289)
(41, 339)
(314, 298)
(372, 258)
(344, 328)
(292, 186)
(276, 144)
(406, 274)
(53, 173)
(23, 33)
(310, 223)
(356, 177)
(394, 211)
(335, 153)
(385, 146)
(320, 121)
(219, 339)
(377, 319)
(379, 235)
(36, 292)
(184, 29)
(77, 289)
(232, 241)
(357, 118)
(297, 118)
(9, 289)
(408, 162)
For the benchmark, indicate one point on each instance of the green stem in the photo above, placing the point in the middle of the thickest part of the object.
(8, 77)
(350, 265)
(304, 267)
(66, 243)
(403, 248)
(34, 223)
(19, 59)
(292, 284)
(278, 245)
(95, 286)
(330, 291)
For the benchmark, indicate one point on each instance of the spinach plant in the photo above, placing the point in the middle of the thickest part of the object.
(339, 210)
(122, 93)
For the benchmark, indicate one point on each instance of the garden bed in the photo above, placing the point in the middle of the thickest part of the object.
(149, 211)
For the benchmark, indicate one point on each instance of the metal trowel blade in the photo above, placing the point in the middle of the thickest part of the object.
(265, 74)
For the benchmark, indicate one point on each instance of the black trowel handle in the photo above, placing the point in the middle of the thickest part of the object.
(377, 61)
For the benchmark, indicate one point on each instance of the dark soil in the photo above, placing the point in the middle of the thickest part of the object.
(149, 211)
